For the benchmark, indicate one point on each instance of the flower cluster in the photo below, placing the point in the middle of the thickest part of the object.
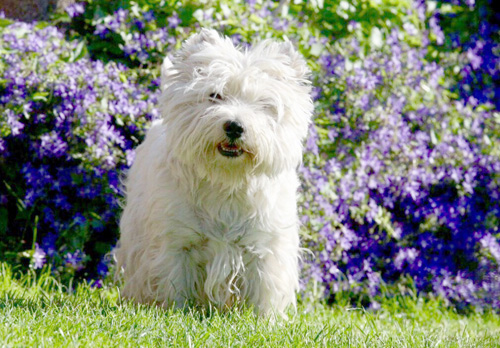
(68, 129)
(134, 36)
(474, 34)
(404, 181)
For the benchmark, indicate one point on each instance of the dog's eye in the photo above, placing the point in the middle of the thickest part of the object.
(272, 111)
(269, 107)
(215, 97)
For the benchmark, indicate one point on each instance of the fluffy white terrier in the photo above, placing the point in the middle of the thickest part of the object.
(211, 215)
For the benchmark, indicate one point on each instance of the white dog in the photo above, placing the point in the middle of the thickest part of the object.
(211, 214)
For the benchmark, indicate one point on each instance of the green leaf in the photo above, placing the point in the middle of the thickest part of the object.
(119, 121)
(123, 77)
(4, 219)
(79, 52)
(256, 19)
(316, 49)
(434, 139)
(5, 22)
(40, 96)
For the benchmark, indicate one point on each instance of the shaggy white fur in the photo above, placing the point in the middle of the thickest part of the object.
(211, 215)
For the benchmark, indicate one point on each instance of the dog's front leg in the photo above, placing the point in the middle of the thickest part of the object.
(177, 270)
(273, 278)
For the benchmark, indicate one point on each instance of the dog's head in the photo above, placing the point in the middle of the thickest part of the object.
(233, 112)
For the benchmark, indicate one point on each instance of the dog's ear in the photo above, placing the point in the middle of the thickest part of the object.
(198, 42)
(194, 44)
(296, 61)
(167, 71)
(209, 36)
(285, 53)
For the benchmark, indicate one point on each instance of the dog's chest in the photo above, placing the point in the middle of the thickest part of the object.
(228, 217)
(227, 220)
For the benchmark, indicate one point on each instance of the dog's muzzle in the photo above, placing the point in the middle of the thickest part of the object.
(234, 130)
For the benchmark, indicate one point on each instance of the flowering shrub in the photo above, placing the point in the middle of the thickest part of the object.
(140, 34)
(404, 180)
(68, 127)
(470, 27)
(401, 172)
(133, 36)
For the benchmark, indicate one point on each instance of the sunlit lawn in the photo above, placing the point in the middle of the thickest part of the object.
(42, 312)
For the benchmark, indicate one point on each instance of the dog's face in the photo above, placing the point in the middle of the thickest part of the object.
(231, 113)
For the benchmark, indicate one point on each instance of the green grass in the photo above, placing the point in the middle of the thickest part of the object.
(38, 311)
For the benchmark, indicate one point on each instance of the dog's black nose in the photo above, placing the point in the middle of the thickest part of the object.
(233, 129)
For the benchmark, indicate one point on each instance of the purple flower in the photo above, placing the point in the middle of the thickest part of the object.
(407, 256)
(420, 7)
(98, 283)
(149, 16)
(101, 30)
(13, 121)
(280, 24)
(74, 260)
(311, 143)
(491, 244)
(38, 258)
(49, 244)
(474, 59)
(436, 30)
(410, 29)
(353, 26)
(76, 9)
(173, 21)
(52, 145)
(470, 3)
(103, 266)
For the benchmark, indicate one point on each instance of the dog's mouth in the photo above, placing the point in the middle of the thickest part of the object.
(228, 149)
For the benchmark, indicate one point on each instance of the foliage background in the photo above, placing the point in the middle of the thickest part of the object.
(401, 172)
